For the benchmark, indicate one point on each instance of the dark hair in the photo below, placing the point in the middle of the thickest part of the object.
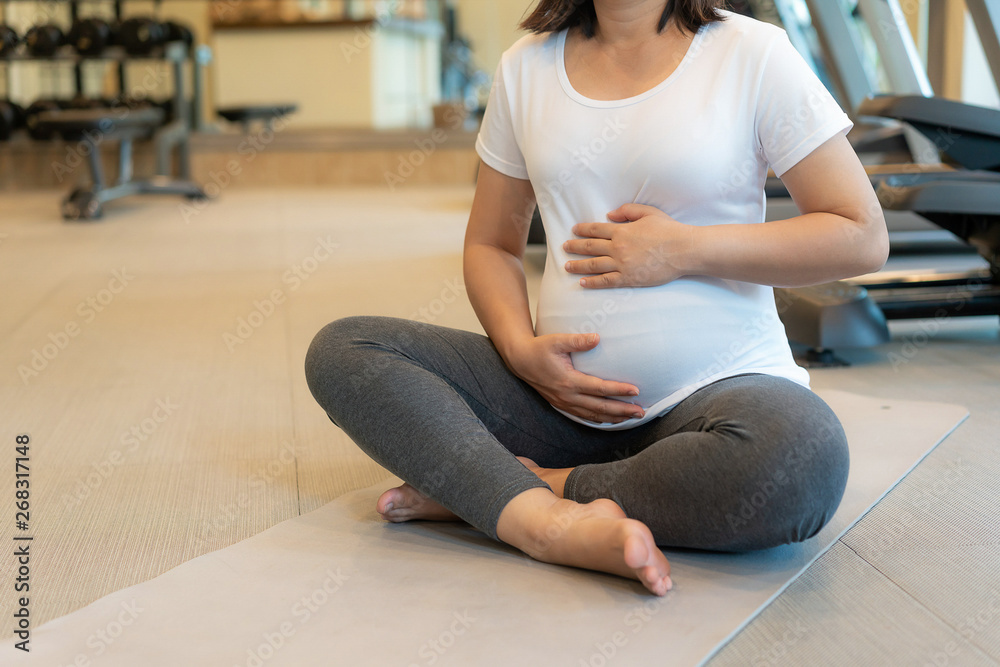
(556, 15)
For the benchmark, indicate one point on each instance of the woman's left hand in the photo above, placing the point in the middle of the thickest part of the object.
(648, 251)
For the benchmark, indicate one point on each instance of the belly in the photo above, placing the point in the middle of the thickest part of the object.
(664, 339)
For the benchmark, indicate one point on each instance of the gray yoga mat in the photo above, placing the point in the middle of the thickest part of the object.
(338, 586)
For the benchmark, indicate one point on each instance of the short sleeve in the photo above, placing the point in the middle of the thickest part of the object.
(795, 114)
(496, 144)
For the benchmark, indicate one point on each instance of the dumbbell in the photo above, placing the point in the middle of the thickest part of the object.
(31, 117)
(89, 37)
(8, 40)
(44, 40)
(178, 32)
(140, 35)
(11, 119)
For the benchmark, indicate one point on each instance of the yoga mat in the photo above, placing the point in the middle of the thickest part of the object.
(338, 586)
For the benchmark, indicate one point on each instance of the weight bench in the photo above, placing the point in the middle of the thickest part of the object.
(94, 126)
(267, 114)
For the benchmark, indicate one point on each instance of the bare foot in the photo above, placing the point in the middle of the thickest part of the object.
(554, 477)
(594, 536)
(404, 503)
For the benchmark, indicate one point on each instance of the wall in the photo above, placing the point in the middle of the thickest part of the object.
(307, 66)
(491, 26)
(371, 76)
(978, 84)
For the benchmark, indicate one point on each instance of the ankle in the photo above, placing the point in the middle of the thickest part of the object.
(525, 518)
(556, 478)
(551, 525)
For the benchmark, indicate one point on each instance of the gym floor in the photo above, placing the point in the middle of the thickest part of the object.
(155, 358)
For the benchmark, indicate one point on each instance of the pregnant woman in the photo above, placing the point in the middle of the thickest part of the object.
(655, 401)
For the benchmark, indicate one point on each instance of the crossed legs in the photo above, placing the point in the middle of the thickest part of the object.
(439, 408)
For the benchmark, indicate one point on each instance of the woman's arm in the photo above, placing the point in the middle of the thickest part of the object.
(495, 240)
(840, 233)
(494, 278)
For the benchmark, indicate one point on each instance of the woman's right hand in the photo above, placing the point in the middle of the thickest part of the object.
(544, 362)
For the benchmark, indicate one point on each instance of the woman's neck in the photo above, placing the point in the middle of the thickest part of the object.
(627, 23)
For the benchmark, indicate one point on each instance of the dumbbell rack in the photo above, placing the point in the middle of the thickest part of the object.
(168, 139)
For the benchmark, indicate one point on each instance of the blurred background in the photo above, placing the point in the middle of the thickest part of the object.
(359, 83)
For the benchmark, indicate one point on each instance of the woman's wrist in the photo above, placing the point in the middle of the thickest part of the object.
(512, 347)
(690, 255)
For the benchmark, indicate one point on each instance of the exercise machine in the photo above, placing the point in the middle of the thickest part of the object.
(264, 114)
(125, 123)
(986, 16)
(854, 313)
(91, 123)
(966, 203)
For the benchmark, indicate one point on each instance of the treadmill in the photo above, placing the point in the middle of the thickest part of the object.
(832, 43)
(853, 313)
(860, 58)
(966, 203)
(863, 52)
(986, 16)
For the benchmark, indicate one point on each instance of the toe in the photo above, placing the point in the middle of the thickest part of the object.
(648, 562)
(391, 499)
(655, 580)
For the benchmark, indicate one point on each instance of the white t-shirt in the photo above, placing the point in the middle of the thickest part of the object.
(697, 146)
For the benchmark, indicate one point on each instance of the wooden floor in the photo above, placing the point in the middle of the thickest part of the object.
(155, 359)
(294, 158)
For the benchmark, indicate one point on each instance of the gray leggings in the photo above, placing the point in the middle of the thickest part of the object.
(746, 463)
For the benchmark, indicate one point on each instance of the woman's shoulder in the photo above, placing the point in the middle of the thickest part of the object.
(753, 34)
(530, 48)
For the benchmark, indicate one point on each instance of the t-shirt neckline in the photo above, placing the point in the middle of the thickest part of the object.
(582, 99)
